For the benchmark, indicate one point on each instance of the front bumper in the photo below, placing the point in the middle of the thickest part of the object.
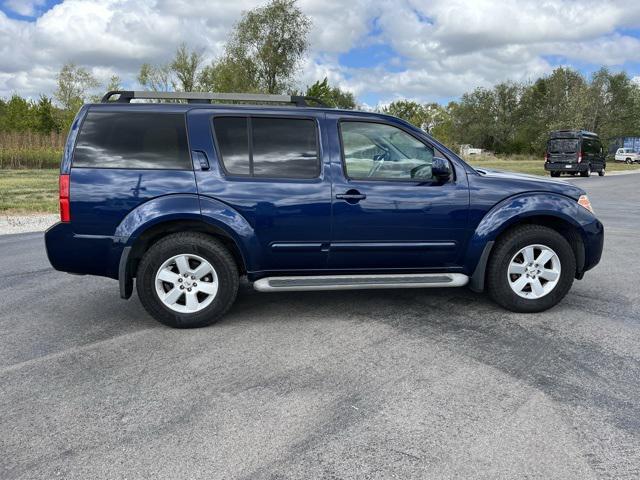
(566, 167)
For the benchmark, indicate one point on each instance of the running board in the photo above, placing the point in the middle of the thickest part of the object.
(354, 282)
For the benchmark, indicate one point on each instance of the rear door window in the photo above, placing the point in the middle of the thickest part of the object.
(562, 145)
(133, 140)
(268, 147)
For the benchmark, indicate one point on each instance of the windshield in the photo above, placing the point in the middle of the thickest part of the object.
(562, 146)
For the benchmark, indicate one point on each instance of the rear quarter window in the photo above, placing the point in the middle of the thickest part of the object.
(132, 140)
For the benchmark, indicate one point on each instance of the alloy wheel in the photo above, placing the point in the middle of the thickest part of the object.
(186, 283)
(534, 271)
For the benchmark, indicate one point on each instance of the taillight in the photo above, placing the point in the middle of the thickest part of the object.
(65, 213)
(579, 157)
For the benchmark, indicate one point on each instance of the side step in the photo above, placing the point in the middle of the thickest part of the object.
(354, 282)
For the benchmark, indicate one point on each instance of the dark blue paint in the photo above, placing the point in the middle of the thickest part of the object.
(293, 226)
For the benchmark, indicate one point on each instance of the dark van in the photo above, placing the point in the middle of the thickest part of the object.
(574, 151)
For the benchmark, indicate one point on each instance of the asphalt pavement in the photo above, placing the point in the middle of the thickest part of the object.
(336, 385)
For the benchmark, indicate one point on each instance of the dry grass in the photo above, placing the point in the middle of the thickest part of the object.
(30, 150)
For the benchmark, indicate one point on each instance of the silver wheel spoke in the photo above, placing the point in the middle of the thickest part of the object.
(172, 295)
(183, 264)
(527, 253)
(550, 275)
(202, 270)
(192, 301)
(520, 283)
(167, 275)
(536, 287)
(544, 257)
(206, 287)
(517, 268)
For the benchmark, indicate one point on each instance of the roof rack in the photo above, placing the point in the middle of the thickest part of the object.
(125, 96)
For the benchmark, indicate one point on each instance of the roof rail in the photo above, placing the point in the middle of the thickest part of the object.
(125, 96)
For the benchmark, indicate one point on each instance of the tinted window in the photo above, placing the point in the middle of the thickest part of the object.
(132, 140)
(279, 147)
(284, 147)
(382, 152)
(233, 141)
(562, 146)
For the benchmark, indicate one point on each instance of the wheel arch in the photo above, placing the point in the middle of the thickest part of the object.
(554, 211)
(134, 251)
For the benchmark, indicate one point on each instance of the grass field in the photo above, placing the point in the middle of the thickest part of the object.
(36, 191)
(28, 191)
(531, 165)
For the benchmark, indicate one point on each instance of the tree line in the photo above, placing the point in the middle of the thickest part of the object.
(265, 51)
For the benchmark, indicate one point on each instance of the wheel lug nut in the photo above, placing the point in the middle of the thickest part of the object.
(180, 280)
(181, 287)
(195, 284)
(189, 289)
(193, 277)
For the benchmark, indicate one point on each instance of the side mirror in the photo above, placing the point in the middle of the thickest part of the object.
(441, 169)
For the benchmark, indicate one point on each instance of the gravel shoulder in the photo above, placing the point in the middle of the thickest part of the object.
(37, 222)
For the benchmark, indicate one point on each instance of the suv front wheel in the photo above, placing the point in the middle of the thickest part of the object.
(187, 280)
(531, 269)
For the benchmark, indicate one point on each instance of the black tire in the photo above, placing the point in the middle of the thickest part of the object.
(507, 246)
(193, 243)
(587, 172)
(602, 171)
(628, 161)
(555, 174)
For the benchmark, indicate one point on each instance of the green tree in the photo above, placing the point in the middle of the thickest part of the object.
(115, 83)
(185, 66)
(19, 114)
(409, 110)
(157, 78)
(264, 51)
(332, 96)
(74, 85)
(45, 116)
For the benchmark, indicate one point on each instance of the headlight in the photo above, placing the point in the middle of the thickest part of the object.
(583, 201)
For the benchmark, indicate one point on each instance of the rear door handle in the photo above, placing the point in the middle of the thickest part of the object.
(200, 159)
(351, 196)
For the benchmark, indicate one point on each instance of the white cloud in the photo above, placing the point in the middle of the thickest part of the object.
(446, 47)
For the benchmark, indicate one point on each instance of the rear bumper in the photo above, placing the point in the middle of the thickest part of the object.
(566, 167)
(82, 254)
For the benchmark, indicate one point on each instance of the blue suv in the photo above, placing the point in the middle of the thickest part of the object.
(187, 196)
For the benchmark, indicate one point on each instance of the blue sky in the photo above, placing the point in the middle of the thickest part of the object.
(432, 50)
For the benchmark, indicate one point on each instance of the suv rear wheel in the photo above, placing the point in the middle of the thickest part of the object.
(187, 280)
(555, 174)
(587, 172)
(531, 269)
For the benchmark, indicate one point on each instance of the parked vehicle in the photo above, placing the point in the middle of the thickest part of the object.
(185, 198)
(574, 151)
(627, 155)
(632, 143)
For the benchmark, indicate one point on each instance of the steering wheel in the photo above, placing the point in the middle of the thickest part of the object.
(421, 171)
(378, 160)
